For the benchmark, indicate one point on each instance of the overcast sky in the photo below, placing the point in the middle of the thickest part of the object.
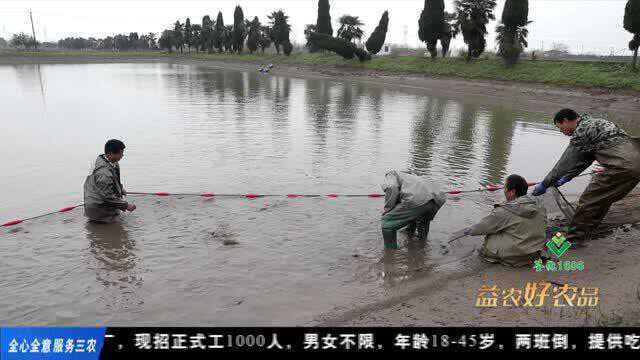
(593, 26)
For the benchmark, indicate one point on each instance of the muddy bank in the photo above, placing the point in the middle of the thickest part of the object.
(622, 104)
(450, 300)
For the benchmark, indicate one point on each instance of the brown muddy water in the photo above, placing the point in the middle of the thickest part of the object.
(226, 261)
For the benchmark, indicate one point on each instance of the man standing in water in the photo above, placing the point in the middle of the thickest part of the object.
(410, 201)
(103, 190)
(515, 231)
(594, 139)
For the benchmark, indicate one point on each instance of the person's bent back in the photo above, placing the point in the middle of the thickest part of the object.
(103, 190)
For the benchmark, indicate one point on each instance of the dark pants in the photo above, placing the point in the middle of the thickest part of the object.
(621, 175)
(414, 217)
(596, 200)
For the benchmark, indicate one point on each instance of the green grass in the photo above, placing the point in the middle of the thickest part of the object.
(607, 75)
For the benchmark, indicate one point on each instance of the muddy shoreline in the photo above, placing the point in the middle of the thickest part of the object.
(449, 300)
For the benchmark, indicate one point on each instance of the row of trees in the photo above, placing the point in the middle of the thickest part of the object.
(21, 40)
(133, 41)
(320, 35)
(213, 35)
(471, 18)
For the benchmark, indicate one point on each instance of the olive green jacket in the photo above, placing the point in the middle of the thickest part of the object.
(103, 192)
(515, 232)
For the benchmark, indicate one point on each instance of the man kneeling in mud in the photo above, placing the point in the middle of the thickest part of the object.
(410, 201)
(515, 231)
(103, 190)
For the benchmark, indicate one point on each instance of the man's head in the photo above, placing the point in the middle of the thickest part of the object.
(114, 150)
(566, 120)
(514, 187)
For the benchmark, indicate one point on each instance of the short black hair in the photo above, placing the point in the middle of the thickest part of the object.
(113, 146)
(517, 183)
(565, 114)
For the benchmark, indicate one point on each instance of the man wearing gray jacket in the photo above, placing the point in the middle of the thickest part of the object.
(410, 201)
(103, 190)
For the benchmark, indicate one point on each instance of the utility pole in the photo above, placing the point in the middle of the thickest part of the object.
(33, 30)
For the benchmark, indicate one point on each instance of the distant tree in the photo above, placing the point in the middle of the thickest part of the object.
(253, 38)
(265, 38)
(133, 42)
(152, 40)
(632, 25)
(3, 43)
(376, 40)
(166, 40)
(472, 17)
(512, 32)
(196, 36)
(228, 38)
(121, 42)
(219, 33)
(431, 25)
(22, 40)
(188, 34)
(280, 30)
(448, 32)
(350, 28)
(207, 34)
(344, 48)
(308, 29)
(178, 36)
(323, 24)
(239, 30)
(107, 43)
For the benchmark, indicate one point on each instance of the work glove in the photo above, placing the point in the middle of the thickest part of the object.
(540, 189)
(563, 180)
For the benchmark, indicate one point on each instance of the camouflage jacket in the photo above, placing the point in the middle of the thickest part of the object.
(593, 134)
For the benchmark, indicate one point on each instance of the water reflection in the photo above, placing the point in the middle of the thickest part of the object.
(116, 265)
(501, 127)
(408, 263)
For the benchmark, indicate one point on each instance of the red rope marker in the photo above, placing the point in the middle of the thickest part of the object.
(13, 222)
(456, 191)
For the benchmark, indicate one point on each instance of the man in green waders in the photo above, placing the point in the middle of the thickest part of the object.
(410, 201)
(103, 190)
(594, 139)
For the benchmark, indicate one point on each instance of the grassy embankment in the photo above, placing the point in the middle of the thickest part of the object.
(608, 75)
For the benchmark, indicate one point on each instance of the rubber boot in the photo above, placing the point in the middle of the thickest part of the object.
(390, 240)
(423, 228)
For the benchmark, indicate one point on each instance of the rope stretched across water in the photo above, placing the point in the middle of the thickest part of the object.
(489, 188)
